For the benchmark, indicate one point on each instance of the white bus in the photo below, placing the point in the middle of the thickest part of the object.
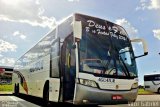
(6, 75)
(82, 60)
(152, 82)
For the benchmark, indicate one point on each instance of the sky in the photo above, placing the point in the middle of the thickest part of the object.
(24, 22)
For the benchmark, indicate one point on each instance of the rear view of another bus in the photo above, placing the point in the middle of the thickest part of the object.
(152, 82)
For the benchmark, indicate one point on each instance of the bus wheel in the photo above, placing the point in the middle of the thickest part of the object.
(15, 89)
(159, 90)
(46, 98)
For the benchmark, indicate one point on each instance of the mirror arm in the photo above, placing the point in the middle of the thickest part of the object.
(146, 53)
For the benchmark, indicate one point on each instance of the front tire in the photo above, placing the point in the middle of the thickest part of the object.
(46, 98)
(15, 89)
(159, 90)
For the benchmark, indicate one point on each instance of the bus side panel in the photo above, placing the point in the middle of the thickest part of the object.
(150, 86)
(37, 81)
(15, 80)
(39, 77)
(34, 80)
(54, 89)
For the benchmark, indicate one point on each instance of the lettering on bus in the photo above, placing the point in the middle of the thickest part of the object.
(96, 28)
(99, 29)
(37, 66)
(112, 80)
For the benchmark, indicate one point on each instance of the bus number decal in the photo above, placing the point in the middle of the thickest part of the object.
(112, 80)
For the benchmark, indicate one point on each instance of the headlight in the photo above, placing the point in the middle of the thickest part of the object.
(88, 82)
(135, 85)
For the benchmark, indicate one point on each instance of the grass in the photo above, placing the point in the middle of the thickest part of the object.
(141, 91)
(6, 88)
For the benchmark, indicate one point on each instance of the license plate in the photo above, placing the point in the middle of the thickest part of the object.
(117, 97)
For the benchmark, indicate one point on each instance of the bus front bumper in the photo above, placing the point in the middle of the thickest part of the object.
(89, 95)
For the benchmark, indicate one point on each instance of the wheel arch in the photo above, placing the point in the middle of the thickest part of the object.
(46, 87)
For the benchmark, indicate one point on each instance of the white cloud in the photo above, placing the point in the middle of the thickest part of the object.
(132, 31)
(149, 4)
(16, 33)
(25, 11)
(156, 33)
(73, 0)
(5, 61)
(19, 34)
(155, 4)
(22, 36)
(6, 46)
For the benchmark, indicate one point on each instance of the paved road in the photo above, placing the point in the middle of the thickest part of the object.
(13, 101)
(148, 97)
(142, 101)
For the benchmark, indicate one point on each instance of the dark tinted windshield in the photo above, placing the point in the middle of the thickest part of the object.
(106, 55)
(152, 77)
(105, 48)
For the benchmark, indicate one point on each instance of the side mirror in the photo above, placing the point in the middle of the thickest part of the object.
(145, 48)
(77, 29)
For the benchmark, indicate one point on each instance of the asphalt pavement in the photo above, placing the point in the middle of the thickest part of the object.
(13, 101)
(28, 101)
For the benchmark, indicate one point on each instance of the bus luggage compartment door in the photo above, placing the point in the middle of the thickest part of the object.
(54, 88)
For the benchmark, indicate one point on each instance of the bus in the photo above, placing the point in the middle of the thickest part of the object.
(6, 75)
(152, 82)
(83, 60)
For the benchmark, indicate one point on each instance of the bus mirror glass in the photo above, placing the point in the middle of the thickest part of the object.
(77, 29)
(142, 43)
(74, 46)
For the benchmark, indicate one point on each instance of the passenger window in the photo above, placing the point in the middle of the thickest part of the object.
(55, 59)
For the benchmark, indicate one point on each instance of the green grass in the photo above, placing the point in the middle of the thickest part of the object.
(143, 92)
(9, 88)
(6, 88)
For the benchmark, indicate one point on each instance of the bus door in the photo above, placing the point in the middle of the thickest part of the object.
(68, 68)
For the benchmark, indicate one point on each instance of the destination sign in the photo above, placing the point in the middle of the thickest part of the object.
(101, 27)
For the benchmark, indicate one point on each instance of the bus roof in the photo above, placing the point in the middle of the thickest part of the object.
(58, 23)
(62, 22)
(6, 67)
(153, 73)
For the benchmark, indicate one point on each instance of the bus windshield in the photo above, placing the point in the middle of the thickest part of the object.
(107, 55)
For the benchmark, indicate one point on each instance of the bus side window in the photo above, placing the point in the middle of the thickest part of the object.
(55, 59)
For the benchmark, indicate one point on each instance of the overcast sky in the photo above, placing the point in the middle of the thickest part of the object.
(24, 22)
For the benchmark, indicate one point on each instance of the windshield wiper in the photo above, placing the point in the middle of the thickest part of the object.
(115, 48)
(124, 64)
